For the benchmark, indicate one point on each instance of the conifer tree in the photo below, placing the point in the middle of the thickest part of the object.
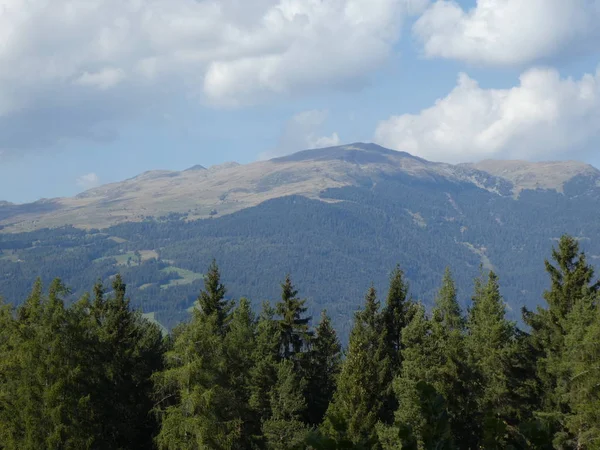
(451, 374)
(572, 289)
(571, 279)
(211, 300)
(284, 430)
(581, 365)
(196, 404)
(265, 355)
(10, 427)
(293, 325)
(239, 344)
(421, 420)
(362, 384)
(129, 350)
(447, 311)
(324, 367)
(491, 348)
(395, 316)
(43, 403)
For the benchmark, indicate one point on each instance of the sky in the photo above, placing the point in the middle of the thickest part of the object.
(97, 91)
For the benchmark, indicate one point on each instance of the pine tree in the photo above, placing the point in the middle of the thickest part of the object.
(396, 315)
(293, 326)
(324, 367)
(491, 348)
(284, 430)
(10, 427)
(581, 365)
(362, 384)
(450, 373)
(194, 405)
(197, 406)
(239, 344)
(265, 355)
(129, 350)
(447, 311)
(421, 420)
(572, 288)
(212, 298)
(395, 318)
(43, 403)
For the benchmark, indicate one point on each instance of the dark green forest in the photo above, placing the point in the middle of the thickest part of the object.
(95, 374)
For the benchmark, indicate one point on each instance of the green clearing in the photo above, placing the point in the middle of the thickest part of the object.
(187, 277)
(123, 258)
(10, 257)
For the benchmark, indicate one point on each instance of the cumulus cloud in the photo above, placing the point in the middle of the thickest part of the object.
(88, 181)
(545, 116)
(508, 32)
(302, 132)
(97, 61)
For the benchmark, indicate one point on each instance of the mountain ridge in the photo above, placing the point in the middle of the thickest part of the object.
(201, 192)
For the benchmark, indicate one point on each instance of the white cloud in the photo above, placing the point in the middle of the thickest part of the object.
(323, 141)
(88, 181)
(543, 117)
(303, 132)
(508, 32)
(103, 79)
(87, 63)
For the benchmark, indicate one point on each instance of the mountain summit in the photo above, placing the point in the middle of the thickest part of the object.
(220, 190)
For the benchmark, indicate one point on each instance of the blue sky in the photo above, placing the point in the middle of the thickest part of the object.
(98, 91)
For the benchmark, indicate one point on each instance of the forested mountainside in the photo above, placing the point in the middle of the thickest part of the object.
(381, 208)
(95, 374)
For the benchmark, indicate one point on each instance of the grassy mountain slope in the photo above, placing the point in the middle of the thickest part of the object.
(201, 193)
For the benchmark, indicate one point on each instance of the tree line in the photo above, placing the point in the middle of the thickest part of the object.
(93, 374)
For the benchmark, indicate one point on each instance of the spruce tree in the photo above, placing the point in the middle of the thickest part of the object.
(211, 300)
(238, 345)
(451, 374)
(129, 349)
(357, 404)
(491, 349)
(572, 288)
(284, 430)
(324, 367)
(265, 355)
(293, 325)
(581, 369)
(196, 404)
(10, 426)
(395, 318)
(44, 403)
(421, 420)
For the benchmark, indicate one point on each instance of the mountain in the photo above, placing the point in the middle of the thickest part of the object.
(337, 219)
(201, 193)
(525, 175)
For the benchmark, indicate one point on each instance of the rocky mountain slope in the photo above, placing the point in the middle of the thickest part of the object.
(538, 175)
